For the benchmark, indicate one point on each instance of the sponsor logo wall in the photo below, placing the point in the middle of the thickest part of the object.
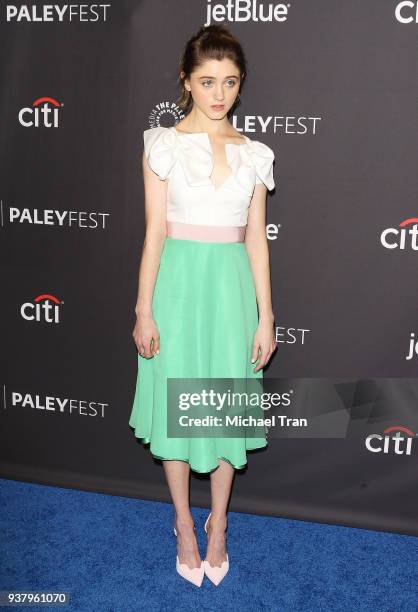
(333, 91)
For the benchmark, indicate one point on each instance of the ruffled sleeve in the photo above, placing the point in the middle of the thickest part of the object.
(262, 157)
(160, 146)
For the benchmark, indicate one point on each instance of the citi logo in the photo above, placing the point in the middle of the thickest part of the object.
(403, 238)
(40, 114)
(246, 10)
(396, 439)
(407, 12)
(44, 308)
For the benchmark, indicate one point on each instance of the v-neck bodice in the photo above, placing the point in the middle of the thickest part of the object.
(187, 161)
(227, 149)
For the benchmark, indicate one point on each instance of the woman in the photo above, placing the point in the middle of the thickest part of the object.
(204, 268)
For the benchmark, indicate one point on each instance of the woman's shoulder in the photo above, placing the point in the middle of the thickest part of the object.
(157, 133)
(157, 129)
(159, 148)
(260, 147)
(262, 157)
(164, 145)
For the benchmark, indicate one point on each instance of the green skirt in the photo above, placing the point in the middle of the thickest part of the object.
(205, 308)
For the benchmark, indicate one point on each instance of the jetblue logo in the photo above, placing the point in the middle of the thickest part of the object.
(246, 10)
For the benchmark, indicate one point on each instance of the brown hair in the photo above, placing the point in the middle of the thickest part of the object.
(210, 42)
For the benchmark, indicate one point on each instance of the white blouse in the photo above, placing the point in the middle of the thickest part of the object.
(187, 161)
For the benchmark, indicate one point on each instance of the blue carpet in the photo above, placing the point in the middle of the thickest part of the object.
(118, 554)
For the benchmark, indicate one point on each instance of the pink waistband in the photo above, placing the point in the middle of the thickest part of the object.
(206, 233)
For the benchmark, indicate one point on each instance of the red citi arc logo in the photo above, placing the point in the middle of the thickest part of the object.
(45, 308)
(40, 114)
(394, 238)
(395, 439)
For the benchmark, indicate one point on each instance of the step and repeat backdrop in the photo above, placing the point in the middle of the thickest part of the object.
(332, 88)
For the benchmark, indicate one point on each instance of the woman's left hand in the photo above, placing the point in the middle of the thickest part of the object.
(264, 344)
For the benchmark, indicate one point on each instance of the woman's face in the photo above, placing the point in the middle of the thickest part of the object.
(214, 87)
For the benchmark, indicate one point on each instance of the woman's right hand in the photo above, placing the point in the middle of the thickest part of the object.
(146, 336)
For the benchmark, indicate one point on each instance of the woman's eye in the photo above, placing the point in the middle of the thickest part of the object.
(231, 83)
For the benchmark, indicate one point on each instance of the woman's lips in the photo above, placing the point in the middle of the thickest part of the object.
(218, 106)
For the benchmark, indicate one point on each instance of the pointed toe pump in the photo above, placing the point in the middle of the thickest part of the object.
(215, 573)
(194, 575)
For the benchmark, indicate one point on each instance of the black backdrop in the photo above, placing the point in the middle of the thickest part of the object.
(332, 88)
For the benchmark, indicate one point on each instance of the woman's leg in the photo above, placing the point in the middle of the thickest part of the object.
(177, 474)
(221, 483)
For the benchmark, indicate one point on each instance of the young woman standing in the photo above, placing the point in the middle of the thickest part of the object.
(204, 307)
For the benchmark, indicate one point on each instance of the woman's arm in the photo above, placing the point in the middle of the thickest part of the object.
(155, 233)
(258, 253)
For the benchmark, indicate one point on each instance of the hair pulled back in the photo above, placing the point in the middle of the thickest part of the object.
(210, 42)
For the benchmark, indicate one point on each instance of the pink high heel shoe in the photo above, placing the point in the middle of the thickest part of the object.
(215, 573)
(194, 575)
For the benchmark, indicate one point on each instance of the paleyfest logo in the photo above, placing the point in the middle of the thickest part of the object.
(44, 307)
(45, 13)
(57, 218)
(44, 112)
(45, 403)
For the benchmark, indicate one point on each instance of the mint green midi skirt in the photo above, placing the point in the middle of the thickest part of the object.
(205, 308)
